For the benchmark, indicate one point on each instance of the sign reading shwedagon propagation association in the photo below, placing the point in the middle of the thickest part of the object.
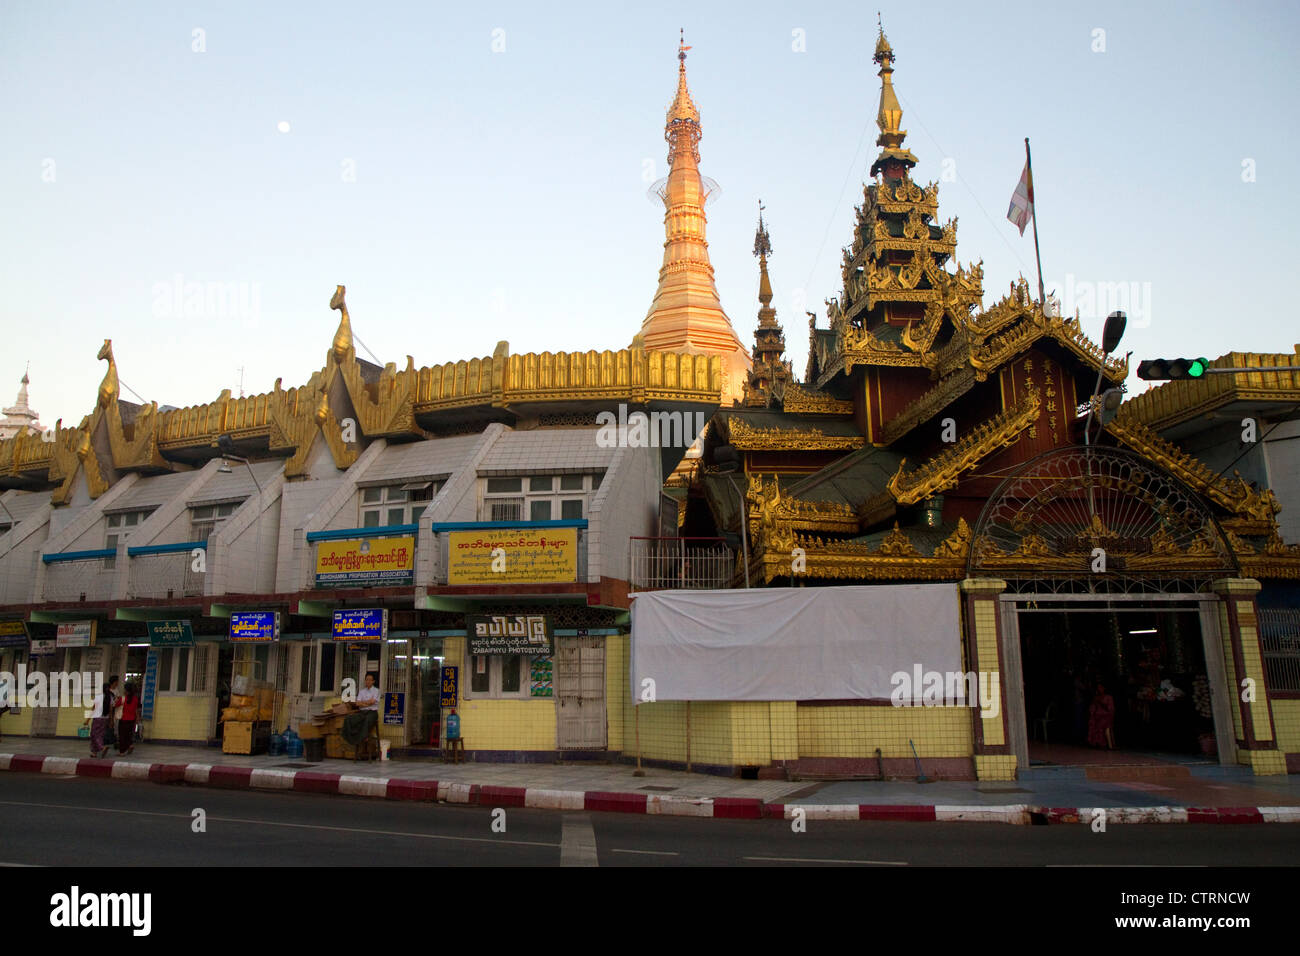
(507, 556)
(388, 561)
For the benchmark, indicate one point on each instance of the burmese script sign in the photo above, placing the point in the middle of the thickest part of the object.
(388, 561)
(508, 633)
(507, 556)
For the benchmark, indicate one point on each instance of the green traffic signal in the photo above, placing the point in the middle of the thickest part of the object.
(1165, 370)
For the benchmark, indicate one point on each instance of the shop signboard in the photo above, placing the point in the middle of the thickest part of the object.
(450, 687)
(75, 634)
(509, 634)
(508, 556)
(150, 688)
(365, 561)
(44, 645)
(13, 634)
(255, 627)
(361, 623)
(170, 633)
(394, 708)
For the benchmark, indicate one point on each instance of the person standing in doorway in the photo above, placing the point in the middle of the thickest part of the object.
(130, 713)
(1101, 719)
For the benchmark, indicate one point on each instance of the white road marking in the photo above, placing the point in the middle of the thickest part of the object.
(280, 823)
(577, 841)
(649, 852)
(813, 859)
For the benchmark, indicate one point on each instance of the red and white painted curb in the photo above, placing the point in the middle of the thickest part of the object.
(736, 808)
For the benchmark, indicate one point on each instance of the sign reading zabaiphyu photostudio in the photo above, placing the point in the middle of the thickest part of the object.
(170, 633)
(367, 623)
(508, 633)
(251, 627)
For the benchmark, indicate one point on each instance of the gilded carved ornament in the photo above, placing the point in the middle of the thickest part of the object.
(747, 437)
(943, 470)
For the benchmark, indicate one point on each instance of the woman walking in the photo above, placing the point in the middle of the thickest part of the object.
(99, 722)
(130, 711)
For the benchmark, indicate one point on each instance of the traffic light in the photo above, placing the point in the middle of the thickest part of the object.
(1162, 370)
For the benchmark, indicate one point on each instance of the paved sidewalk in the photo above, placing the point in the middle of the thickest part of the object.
(1229, 795)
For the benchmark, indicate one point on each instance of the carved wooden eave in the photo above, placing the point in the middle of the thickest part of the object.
(854, 346)
(1175, 402)
(945, 469)
(895, 558)
(748, 438)
(1255, 509)
(775, 519)
(801, 400)
(992, 339)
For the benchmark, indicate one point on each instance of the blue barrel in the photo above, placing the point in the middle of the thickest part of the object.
(292, 743)
(275, 747)
(453, 726)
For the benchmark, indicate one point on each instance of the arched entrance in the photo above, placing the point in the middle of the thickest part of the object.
(1108, 562)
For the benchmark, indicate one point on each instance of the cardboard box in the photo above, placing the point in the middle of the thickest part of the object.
(309, 731)
(336, 746)
(245, 737)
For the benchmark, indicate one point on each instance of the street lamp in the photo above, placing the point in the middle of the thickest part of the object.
(727, 461)
(1110, 336)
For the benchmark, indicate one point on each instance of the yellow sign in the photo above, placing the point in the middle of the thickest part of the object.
(535, 555)
(387, 561)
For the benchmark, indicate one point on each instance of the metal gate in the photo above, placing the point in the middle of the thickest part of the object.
(580, 693)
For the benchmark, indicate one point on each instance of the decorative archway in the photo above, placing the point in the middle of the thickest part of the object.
(1098, 519)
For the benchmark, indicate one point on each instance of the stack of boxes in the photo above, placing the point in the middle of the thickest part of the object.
(330, 726)
(248, 718)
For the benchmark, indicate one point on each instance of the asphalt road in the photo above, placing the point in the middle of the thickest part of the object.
(80, 821)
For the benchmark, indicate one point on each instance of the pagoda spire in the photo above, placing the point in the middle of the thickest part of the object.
(893, 160)
(686, 313)
(770, 374)
(20, 417)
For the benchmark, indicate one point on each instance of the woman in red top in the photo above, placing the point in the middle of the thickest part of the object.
(130, 705)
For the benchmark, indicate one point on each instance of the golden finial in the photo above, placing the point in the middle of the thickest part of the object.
(762, 242)
(343, 336)
(890, 115)
(683, 107)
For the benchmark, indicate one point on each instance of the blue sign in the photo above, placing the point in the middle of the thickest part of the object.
(255, 626)
(450, 686)
(370, 623)
(394, 708)
(150, 686)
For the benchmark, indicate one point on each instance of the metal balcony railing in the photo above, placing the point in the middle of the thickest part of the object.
(79, 575)
(167, 570)
(665, 563)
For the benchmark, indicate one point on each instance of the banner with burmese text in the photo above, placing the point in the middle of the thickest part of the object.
(361, 561)
(509, 556)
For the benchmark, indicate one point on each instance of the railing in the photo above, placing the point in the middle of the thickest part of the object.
(167, 570)
(664, 563)
(510, 552)
(348, 566)
(1279, 639)
(79, 575)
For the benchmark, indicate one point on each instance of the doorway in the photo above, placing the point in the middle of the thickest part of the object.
(1116, 679)
(580, 692)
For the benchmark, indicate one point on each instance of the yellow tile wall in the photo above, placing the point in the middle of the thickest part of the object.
(663, 731)
(1286, 717)
(618, 691)
(1254, 665)
(508, 724)
(180, 717)
(986, 639)
(858, 731)
(16, 725)
(995, 766)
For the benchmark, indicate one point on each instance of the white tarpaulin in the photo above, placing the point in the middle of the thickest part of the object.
(836, 643)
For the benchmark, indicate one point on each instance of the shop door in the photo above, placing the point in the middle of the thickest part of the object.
(46, 719)
(580, 693)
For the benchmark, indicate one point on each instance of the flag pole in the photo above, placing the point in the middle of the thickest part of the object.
(1033, 213)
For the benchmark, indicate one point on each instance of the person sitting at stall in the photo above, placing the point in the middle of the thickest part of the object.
(368, 696)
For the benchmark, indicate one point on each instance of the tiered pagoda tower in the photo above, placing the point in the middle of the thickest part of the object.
(771, 372)
(686, 314)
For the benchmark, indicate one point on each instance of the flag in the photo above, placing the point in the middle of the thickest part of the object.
(1022, 200)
